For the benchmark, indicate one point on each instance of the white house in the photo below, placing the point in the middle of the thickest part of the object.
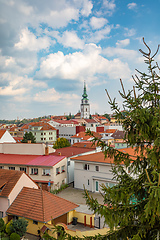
(94, 170)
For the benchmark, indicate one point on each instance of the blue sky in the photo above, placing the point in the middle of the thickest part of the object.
(48, 48)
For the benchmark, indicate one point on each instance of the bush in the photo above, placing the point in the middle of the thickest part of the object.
(9, 229)
(2, 225)
(14, 236)
(62, 187)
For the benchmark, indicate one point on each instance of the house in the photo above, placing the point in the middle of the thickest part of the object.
(119, 140)
(48, 171)
(44, 132)
(83, 136)
(5, 136)
(91, 124)
(41, 209)
(94, 170)
(69, 152)
(11, 183)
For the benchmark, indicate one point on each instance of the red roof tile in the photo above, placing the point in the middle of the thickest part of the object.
(8, 179)
(2, 132)
(29, 160)
(70, 151)
(39, 205)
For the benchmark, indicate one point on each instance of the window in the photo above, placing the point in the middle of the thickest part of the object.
(97, 168)
(41, 139)
(34, 171)
(63, 168)
(11, 168)
(88, 181)
(69, 163)
(41, 133)
(1, 214)
(44, 133)
(35, 222)
(86, 166)
(44, 138)
(57, 170)
(23, 169)
(1, 167)
(46, 172)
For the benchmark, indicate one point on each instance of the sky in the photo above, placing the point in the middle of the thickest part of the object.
(48, 48)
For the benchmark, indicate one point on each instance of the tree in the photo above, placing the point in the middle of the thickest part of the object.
(132, 207)
(17, 226)
(61, 143)
(28, 137)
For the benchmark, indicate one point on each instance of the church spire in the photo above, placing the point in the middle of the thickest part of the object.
(85, 92)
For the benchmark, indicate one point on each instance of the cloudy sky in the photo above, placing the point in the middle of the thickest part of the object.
(49, 47)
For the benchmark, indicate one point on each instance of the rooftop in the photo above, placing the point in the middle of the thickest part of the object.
(39, 205)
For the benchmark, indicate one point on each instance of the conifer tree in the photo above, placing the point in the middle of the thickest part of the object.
(132, 207)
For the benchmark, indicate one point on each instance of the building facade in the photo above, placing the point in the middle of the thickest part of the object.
(85, 106)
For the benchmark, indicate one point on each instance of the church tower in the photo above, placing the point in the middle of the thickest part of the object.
(85, 107)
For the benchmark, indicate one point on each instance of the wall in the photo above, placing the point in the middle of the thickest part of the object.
(4, 204)
(80, 217)
(58, 178)
(82, 176)
(24, 181)
(24, 148)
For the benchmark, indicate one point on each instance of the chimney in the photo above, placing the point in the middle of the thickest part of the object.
(46, 149)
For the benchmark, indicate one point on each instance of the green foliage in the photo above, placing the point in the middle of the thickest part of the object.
(61, 143)
(138, 219)
(14, 236)
(62, 187)
(17, 226)
(9, 227)
(2, 224)
(28, 136)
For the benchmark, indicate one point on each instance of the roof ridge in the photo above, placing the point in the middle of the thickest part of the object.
(42, 205)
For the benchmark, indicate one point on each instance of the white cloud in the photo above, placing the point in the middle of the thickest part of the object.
(29, 41)
(87, 8)
(81, 65)
(70, 39)
(120, 52)
(97, 23)
(51, 95)
(18, 85)
(109, 5)
(132, 5)
(100, 34)
(123, 43)
(130, 32)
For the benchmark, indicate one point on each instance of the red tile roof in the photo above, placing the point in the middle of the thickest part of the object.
(99, 157)
(8, 179)
(29, 160)
(85, 144)
(85, 136)
(71, 151)
(39, 205)
(2, 132)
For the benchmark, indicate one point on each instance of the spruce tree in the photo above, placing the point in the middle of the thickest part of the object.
(132, 207)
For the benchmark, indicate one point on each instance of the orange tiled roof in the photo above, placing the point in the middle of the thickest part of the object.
(99, 157)
(85, 144)
(2, 132)
(39, 205)
(8, 179)
(85, 136)
(71, 151)
(45, 126)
